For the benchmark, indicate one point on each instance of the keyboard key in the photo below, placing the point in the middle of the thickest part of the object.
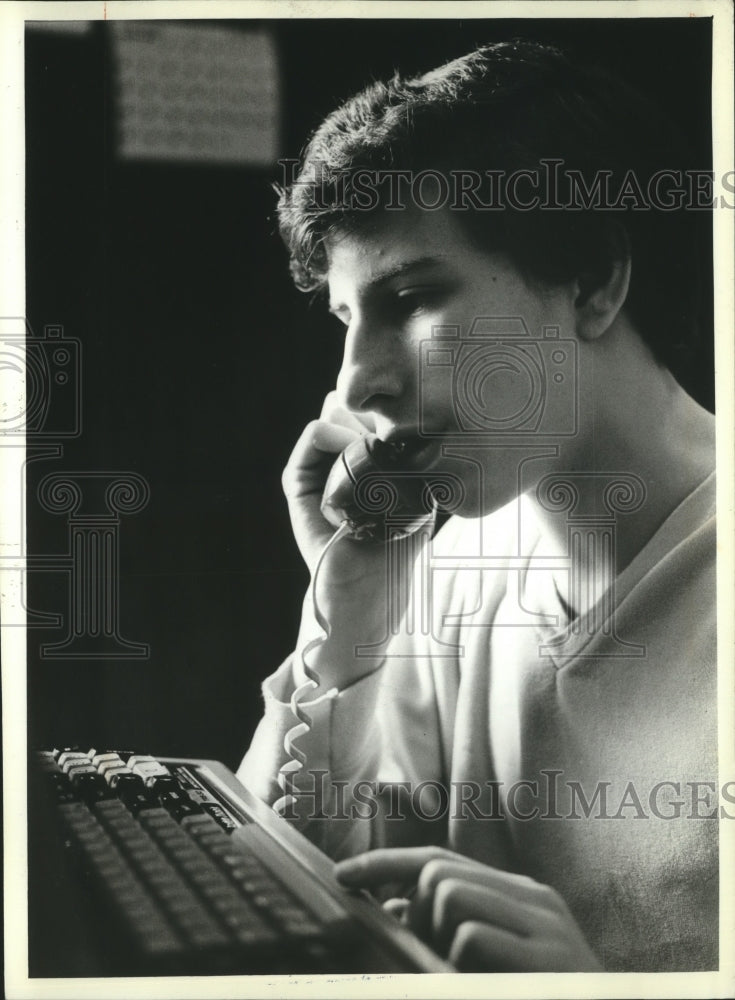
(156, 818)
(302, 929)
(108, 761)
(124, 779)
(196, 866)
(206, 937)
(256, 937)
(200, 929)
(224, 899)
(132, 792)
(71, 758)
(165, 783)
(75, 810)
(225, 821)
(249, 928)
(222, 851)
(61, 788)
(80, 767)
(201, 825)
(138, 799)
(110, 807)
(179, 804)
(156, 938)
(241, 867)
(105, 758)
(111, 771)
(90, 787)
(147, 767)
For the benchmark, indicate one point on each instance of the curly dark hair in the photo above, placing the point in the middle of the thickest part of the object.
(509, 107)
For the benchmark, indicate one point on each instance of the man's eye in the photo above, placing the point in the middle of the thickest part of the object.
(416, 301)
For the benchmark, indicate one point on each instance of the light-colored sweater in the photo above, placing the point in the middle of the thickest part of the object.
(550, 764)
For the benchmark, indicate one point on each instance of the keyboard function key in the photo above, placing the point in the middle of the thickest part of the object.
(147, 767)
(125, 779)
(78, 768)
(138, 799)
(69, 758)
(105, 758)
(221, 817)
(91, 786)
(179, 804)
(163, 783)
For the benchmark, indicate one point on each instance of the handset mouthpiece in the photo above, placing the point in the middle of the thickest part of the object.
(369, 485)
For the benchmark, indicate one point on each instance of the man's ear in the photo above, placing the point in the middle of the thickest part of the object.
(601, 295)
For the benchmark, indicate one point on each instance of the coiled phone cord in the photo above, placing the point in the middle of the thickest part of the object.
(297, 758)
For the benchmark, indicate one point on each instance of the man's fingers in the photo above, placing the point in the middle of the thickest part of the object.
(484, 918)
(482, 947)
(532, 935)
(457, 901)
(454, 890)
(332, 437)
(430, 865)
(479, 947)
(334, 412)
(309, 462)
(508, 885)
(374, 868)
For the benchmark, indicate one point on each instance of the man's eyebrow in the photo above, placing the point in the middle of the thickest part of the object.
(397, 270)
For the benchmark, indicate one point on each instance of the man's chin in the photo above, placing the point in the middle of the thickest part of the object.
(479, 500)
(469, 491)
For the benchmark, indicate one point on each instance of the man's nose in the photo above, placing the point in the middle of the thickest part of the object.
(372, 372)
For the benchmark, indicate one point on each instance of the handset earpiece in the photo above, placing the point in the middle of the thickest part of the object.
(370, 482)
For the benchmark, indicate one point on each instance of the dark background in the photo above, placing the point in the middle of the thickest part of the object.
(201, 364)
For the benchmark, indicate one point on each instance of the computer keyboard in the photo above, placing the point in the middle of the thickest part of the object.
(172, 867)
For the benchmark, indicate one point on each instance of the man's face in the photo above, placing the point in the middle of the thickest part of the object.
(391, 285)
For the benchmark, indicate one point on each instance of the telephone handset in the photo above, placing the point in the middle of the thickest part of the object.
(371, 482)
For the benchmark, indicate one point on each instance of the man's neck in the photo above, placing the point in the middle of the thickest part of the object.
(641, 426)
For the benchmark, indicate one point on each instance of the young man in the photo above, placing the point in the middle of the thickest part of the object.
(529, 758)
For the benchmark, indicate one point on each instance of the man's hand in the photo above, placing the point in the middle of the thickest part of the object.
(481, 918)
(351, 586)
(305, 475)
